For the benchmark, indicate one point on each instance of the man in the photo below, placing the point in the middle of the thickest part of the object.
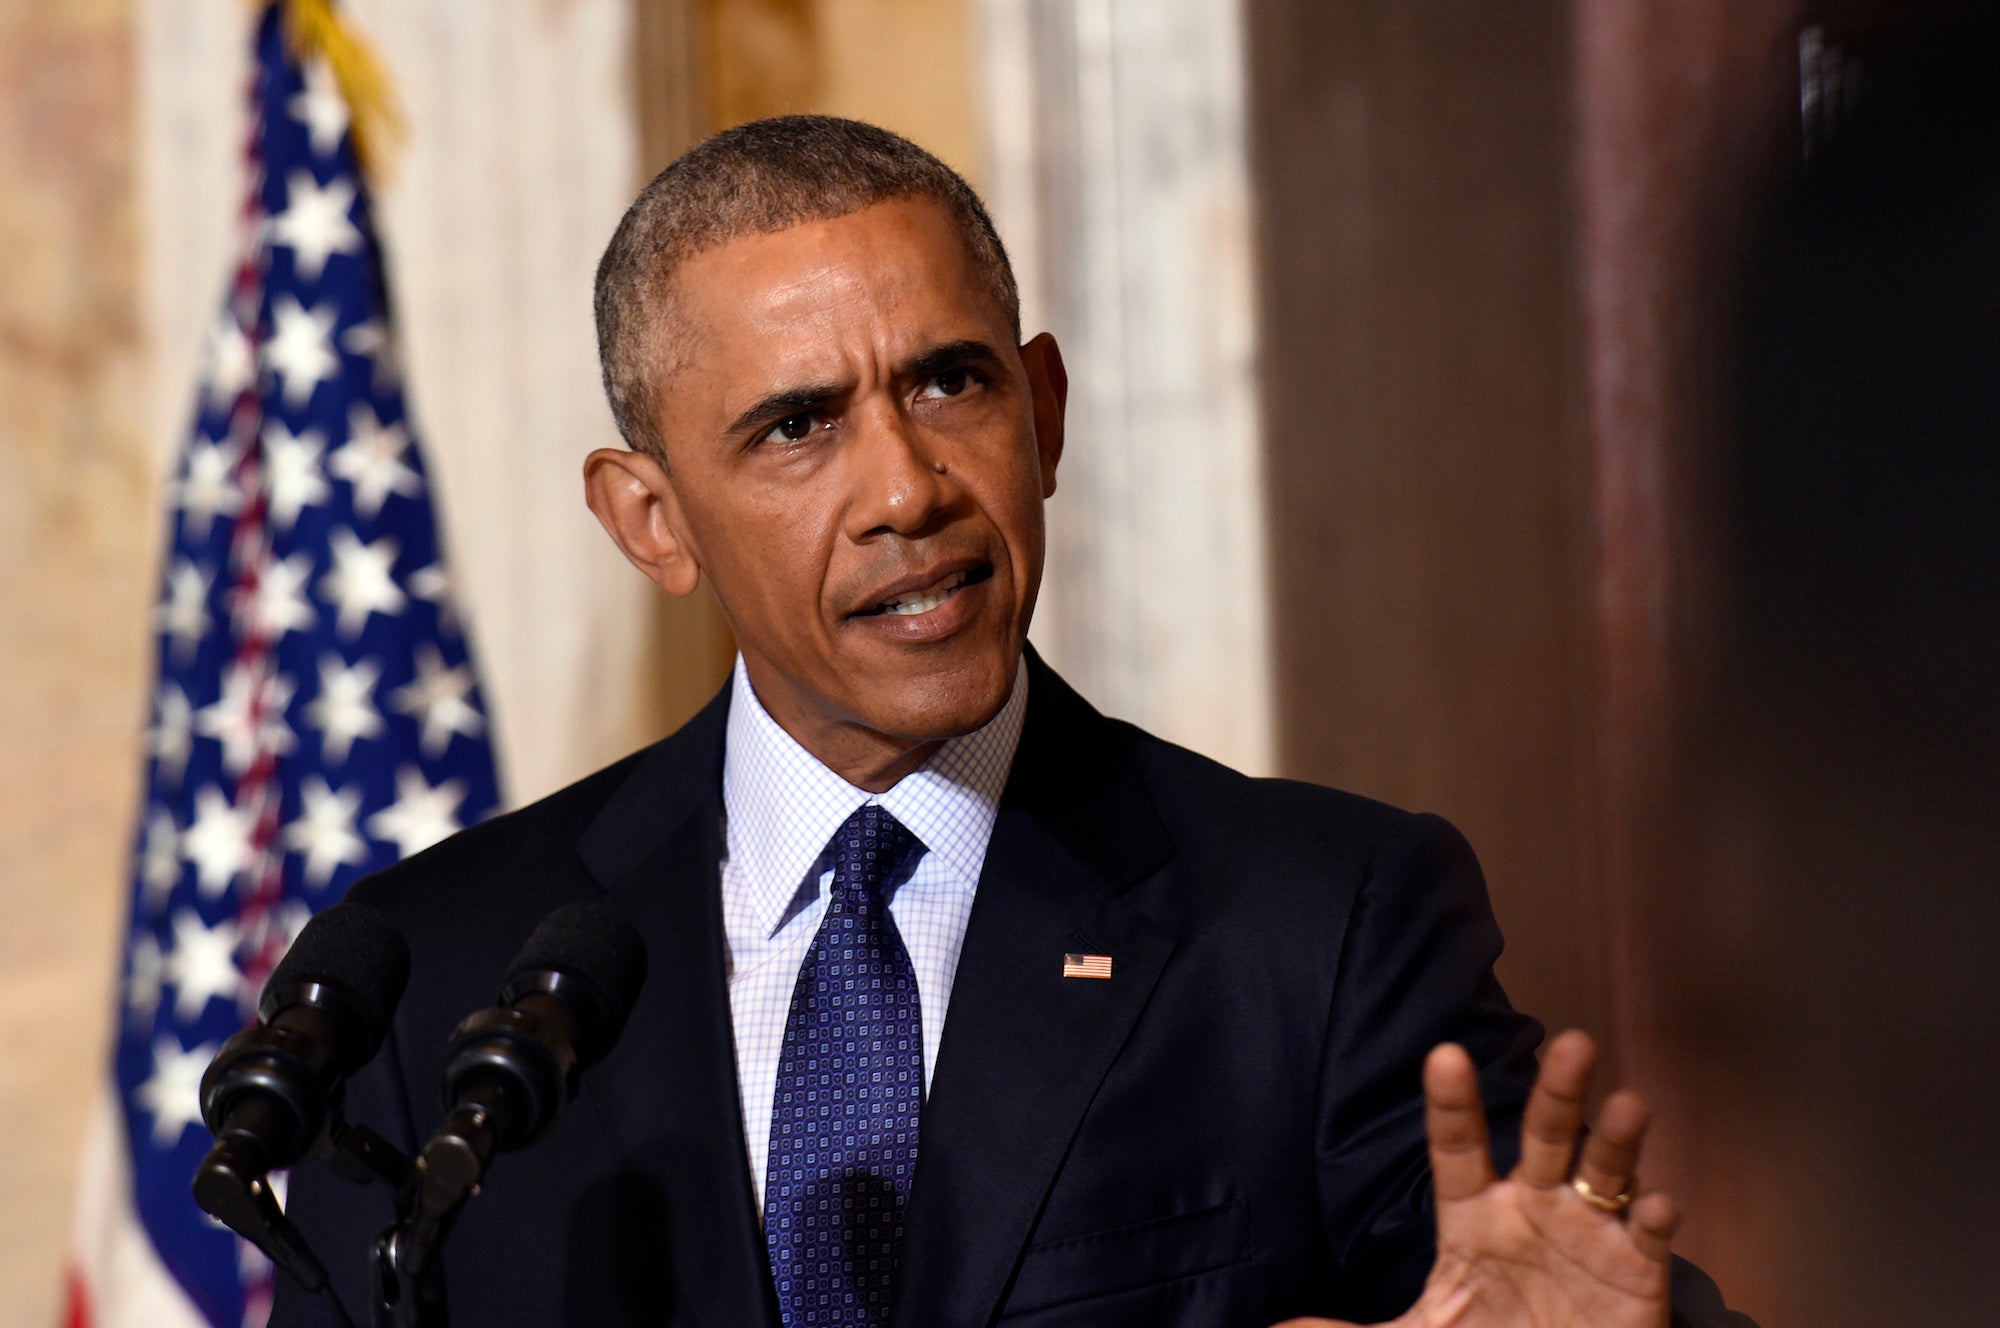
(967, 1004)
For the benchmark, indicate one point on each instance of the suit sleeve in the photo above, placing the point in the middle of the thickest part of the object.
(1416, 969)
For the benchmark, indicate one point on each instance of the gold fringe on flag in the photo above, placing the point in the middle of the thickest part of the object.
(376, 115)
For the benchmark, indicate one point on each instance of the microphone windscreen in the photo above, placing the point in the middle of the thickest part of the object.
(350, 946)
(593, 942)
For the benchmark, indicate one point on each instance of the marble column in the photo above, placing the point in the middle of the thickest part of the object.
(1118, 177)
(78, 530)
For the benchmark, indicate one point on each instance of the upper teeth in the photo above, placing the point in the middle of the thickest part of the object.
(923, 601)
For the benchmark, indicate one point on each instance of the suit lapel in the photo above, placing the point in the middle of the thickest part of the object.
(1024, 1048)
(668, 1095)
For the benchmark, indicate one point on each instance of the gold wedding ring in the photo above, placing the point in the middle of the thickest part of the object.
(1603, 1203)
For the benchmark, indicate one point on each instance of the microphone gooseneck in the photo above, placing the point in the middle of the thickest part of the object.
(268, 1094)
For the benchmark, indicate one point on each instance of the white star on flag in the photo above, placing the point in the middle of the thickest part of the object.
(372, 342)
(142, 983)
(320, 108)
(279, 603)
(171, 738)
(324, 832)
(421, 815)
(360, 582)
(345, 709)
(292, 472)
(173, 1094)
(218, 842)
(232, 362)
(300, 350)
(288, 920)
(183, 615)
(372, 461)
(208, 488)
(202, 965)
(249, 716)
(160, 859)
(437, 694)
(314, 224)
(433, 585)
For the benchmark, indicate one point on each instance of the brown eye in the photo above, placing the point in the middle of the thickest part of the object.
(950, 383)
(791, 429)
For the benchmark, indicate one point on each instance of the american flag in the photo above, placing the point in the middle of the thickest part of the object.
(1086, 966)
(316, 715)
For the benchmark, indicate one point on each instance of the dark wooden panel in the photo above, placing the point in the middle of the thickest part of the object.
(1427, 461)
(1687, 114)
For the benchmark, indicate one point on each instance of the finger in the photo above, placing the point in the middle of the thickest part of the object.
(1555, 1111)
(1653, 1219)
(1455, 1121)
(1610, 1160)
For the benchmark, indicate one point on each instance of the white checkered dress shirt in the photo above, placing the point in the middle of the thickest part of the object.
(780, 810)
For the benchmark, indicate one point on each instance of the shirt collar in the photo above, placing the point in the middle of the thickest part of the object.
(781, 806)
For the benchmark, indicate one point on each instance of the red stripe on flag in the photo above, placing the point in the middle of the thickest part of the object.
(76, 1301)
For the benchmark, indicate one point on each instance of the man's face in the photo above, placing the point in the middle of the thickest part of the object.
(858, 455)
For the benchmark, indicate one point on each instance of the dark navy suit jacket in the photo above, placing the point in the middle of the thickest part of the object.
(1226, 1133)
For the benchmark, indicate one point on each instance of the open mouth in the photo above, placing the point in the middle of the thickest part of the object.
(911, 603)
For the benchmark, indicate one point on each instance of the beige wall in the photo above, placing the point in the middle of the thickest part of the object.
(78, 529)
(903, 64)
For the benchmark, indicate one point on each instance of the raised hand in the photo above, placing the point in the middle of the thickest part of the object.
(1546, 1247)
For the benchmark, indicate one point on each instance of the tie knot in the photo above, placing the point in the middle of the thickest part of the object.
(867, 847)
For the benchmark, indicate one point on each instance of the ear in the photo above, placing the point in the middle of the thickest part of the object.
(1048, 383)
(633, 498)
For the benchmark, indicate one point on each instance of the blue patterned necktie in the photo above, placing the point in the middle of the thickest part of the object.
(850, 1087)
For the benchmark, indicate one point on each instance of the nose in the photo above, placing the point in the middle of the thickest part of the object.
(901, 483)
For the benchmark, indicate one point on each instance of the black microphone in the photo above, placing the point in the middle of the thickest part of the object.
(267, 1094)
(324, 1014)
(561, 1008)
(511, 1069)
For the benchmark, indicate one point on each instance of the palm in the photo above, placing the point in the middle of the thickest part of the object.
(1529, 1251)
(1535, 1258)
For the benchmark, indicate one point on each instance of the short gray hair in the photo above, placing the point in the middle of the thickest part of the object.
(756, 178)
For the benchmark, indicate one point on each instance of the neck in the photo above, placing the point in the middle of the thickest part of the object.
(868, 760)
(865, 757)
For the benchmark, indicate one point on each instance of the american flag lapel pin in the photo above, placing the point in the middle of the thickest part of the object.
(1086, 966)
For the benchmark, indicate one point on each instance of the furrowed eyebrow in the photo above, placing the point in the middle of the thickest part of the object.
(805, 400)
(783, 405)
(951, 355)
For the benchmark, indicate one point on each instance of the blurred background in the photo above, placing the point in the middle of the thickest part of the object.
(1576, 417)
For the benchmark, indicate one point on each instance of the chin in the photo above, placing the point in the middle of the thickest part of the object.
(948, 703)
